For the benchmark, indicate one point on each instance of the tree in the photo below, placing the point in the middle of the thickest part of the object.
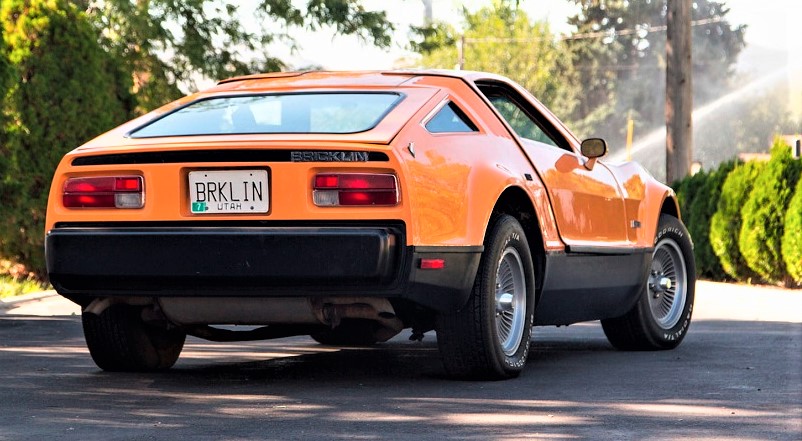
(66, 90)
(5, 82)
(5, 68)
(502, 39)
(764, 215)
(166, 42)
(618, 50)
(749, 126)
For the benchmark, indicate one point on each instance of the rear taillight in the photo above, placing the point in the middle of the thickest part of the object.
(104, 192)
(331, 190)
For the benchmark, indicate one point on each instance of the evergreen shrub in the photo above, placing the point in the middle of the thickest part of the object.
(65, 90)
(701, 209)
(692, 194)
(792, 237)
(763, 215)
(725, 225)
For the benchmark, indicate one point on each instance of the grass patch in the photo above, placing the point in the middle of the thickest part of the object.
(10, 286)
(15, 280)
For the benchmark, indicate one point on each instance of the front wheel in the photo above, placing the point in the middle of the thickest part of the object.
(660, 318)
(489, 337)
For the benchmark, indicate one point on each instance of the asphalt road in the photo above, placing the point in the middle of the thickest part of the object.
(737, 376)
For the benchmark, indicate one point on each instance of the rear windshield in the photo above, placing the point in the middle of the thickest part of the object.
(276, 113)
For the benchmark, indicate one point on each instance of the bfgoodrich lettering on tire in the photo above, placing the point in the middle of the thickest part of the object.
(660, 318)
(489, 337)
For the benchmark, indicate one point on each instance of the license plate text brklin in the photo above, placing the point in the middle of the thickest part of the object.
(240, 191)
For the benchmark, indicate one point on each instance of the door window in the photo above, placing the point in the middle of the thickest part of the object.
(523, 118)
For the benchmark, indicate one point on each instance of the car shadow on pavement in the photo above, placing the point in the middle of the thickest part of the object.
(728, 380)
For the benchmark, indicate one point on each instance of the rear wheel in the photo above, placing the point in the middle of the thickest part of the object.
(119, 340)
(660, 318)
(489, 337)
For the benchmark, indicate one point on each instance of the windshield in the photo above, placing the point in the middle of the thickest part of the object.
(277, 113)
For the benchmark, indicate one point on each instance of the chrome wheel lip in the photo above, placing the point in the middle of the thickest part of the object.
(510, 301)
(668, 284)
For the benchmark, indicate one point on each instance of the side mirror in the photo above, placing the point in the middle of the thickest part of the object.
(594, 148)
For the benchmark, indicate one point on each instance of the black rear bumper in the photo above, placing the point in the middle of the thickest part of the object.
(259, 261)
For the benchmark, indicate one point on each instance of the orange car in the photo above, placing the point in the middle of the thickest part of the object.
(350, 206)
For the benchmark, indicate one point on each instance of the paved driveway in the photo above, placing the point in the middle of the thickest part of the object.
(737, 376)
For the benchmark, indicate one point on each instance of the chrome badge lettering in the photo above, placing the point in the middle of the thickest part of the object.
(329, 156)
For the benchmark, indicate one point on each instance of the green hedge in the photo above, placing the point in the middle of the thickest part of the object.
(764, 215)
(698, 197)
(66, 89)
(792, 238)
(725, 225)
(687, 189)
(702, 209)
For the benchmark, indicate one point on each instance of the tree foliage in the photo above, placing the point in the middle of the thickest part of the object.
(5, 81)
(750, 125)
(169, 42)
(619, 53)
(66, 90)
(792, 237)
(764, 214)
(725, 225)
(502, 39)
(68, 70)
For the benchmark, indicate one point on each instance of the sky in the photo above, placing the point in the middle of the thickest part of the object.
(773, 38)
(346, 53)
(770, 25)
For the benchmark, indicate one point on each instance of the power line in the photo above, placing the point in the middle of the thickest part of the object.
(647, 29)
(599, 34)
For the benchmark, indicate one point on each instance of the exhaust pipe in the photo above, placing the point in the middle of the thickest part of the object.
(331, 311)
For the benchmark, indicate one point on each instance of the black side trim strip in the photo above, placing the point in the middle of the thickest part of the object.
(210, 156)
(590, 249)
(604, 285)
(447, 250)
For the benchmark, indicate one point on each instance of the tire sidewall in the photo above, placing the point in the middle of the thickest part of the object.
(671, 229)
(507, 233)
(119, 340)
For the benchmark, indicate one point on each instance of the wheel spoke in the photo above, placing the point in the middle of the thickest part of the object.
(667, 284)
(510, 301)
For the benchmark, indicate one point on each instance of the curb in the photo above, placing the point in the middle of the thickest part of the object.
(13, 302)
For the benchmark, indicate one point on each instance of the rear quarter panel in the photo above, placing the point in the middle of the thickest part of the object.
(455, 180)
(644, 197)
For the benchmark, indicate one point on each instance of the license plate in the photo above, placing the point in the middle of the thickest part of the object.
(228, 191)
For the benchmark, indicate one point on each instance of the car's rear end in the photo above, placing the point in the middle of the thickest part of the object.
(269, 201)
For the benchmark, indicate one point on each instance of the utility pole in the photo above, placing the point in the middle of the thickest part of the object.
(679, 101)
(427, 12)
